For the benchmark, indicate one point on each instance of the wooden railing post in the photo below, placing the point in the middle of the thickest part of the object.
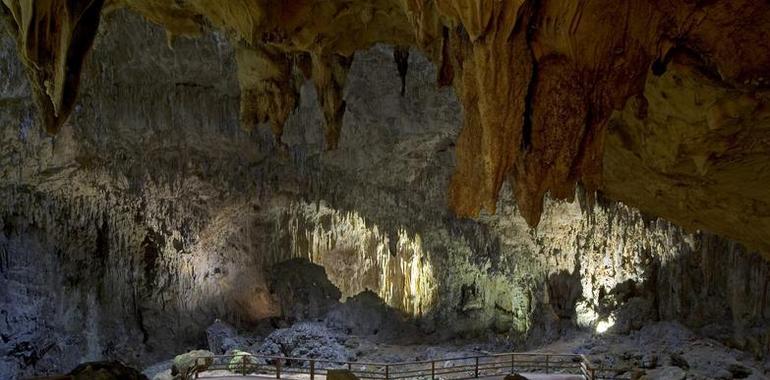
(547, 367)
(433, 370)
(387, 372)
(350, 367)
(513, 363)
(477, 367)
(277, 368)
(243, 365)
(312, 369)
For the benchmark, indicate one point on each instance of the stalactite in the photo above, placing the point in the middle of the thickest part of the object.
(401, 56)
(330, 73)
(358, 257)
(539, 81)
(268, 91)
(53, 39)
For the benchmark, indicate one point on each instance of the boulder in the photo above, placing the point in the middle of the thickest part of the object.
(243, 363)
(185, 363)
(305, 340)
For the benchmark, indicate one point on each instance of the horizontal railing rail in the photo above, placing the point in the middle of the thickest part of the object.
(457, 368)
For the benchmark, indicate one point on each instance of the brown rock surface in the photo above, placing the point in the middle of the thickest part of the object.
(539, 82)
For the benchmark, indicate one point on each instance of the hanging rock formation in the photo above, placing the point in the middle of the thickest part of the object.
(53, 38)
(539, 82)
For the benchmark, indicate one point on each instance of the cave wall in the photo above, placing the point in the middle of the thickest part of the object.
(152, 212)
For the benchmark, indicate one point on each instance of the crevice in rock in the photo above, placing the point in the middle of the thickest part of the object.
(401, 56)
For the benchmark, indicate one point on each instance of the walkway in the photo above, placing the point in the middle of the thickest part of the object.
(536, 366)
(225, 375)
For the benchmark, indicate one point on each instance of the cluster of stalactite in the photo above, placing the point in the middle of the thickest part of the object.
(539, 80)
(358, 256)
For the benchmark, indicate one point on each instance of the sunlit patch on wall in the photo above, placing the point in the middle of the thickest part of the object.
(358, 255)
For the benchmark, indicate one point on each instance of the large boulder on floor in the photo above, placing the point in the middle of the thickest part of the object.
(243, 362)
(305, 340)
(185, 363)
(515, 376)
(105, 370)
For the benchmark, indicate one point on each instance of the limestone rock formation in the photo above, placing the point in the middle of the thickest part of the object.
(53, 38)
(243, 363)
(302, 289)
(222, 337)
(185, 364)
(540, 83)
(152, 212)
(305, 340)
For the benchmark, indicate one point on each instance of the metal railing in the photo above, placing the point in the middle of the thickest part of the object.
(469, 367)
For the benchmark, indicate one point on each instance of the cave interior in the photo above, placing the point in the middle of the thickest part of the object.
(384, 181)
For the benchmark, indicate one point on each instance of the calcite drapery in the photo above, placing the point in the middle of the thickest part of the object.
(539, 80)
(53, 38)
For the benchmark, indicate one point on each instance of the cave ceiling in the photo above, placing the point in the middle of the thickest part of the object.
(661, 104)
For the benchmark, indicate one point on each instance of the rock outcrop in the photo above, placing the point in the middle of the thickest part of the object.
(186, 364)
(540, 82)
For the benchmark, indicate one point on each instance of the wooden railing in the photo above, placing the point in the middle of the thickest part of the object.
(469, 367)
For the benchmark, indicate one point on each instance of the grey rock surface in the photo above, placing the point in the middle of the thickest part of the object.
(365, 314)
(303, 289)
(222, 337)
(186, 363)
(306, 340)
